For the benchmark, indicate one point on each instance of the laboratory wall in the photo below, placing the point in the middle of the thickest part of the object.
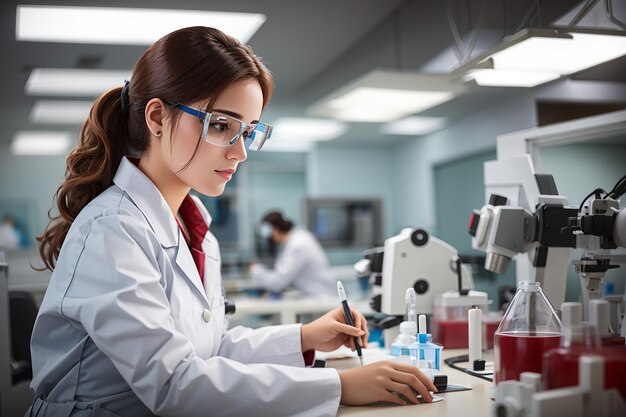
(353, 170)
(276, 189)
(578, 169)
(28, 184)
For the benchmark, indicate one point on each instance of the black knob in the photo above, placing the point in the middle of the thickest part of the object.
(229, 307)
(497, 200)
(376, 302)
(420, 286)
(419, 237)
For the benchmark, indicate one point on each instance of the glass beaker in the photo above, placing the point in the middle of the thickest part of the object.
(530, 326)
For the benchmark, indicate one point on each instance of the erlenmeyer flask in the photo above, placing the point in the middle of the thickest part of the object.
(529, 328)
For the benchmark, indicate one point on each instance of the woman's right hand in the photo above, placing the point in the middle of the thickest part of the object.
(378, 382)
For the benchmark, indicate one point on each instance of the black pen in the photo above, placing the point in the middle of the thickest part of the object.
(348, 316)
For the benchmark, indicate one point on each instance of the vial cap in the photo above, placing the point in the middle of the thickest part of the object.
(571, 313)
(408, 327)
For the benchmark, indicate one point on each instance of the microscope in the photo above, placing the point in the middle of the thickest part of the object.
(414, 259)
(523, 205)
(597, 228)
(527, 219)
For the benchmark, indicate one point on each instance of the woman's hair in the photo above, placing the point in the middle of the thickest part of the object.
(189, 65)
(276, 219)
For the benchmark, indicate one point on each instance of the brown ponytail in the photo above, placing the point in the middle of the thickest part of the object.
(276, 219)
(186, 66)
(89, 171)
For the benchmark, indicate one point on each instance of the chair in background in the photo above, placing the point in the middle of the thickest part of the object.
(23, 312)
(17, 316)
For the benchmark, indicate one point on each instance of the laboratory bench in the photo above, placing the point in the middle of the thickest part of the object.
(287, 308)
(251, 300)
(22, 277)
(475, 402)
(290, 307)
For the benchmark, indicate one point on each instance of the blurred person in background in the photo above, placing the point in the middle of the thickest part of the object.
(9, 235)
(301, 262)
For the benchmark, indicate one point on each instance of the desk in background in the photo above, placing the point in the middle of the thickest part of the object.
(14, 396)
(238, 281)
(287, 308)
(475, 402)
(22, 277)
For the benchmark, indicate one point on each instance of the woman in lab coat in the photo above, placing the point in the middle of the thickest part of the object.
(301, 261)
(132, 323)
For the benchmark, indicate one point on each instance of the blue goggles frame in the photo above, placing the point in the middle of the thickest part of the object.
(255, 134)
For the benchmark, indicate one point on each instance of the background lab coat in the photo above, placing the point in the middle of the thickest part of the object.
(126, 309)
(301, 263)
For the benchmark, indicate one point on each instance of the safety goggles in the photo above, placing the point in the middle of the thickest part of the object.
(223, 130)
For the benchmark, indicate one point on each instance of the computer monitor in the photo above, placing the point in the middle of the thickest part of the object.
(344, 222)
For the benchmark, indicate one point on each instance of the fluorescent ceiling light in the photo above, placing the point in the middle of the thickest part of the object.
(384, 95)
(40, 143)
(60, 111)
(306, 129)
(560, 55)
(504, 78)
(366, 104)
(414, 126)
(124, 26)
(73, 82)
(535, 56)
(287, 145)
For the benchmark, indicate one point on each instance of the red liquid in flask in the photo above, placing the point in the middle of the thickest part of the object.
(515, 353)
(560, 367)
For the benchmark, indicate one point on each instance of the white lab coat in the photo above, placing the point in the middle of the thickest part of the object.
(301, 263)
(126, 327)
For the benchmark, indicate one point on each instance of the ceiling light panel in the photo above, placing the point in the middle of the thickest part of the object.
(414, 126)
(534, 56)
(287, 145)
(385, 95)
(504, 78)
(124, 26)
(73, 82)
(60, 111)
(366, 104)
(306, 129)
(560, 55)
(40, 143)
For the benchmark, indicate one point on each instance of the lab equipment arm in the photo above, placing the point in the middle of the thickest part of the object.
(121, 303)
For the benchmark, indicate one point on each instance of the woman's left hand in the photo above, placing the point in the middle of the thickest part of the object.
(331, 331)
